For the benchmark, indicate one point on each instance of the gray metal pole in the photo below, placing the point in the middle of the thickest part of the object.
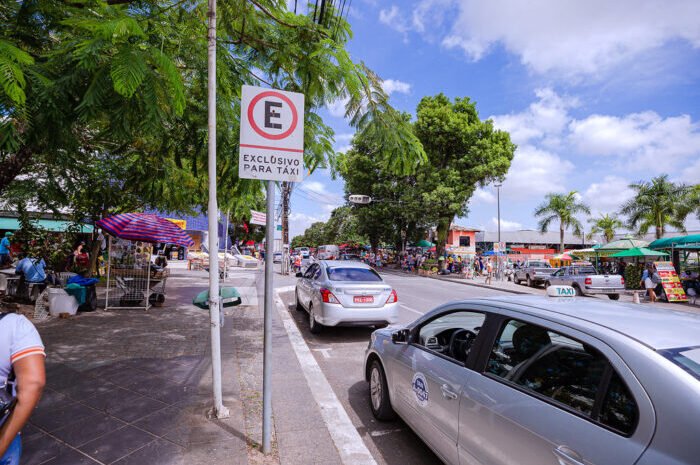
(267, 337)
(219, 411)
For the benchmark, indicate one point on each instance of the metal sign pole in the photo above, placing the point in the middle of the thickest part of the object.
(267, 354)
(219, 410)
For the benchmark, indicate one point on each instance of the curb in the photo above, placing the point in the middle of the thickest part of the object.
(464, 283)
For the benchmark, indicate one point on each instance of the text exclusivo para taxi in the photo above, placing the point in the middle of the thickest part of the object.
(542, 381)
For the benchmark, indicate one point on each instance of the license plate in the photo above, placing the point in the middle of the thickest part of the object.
(363, 299)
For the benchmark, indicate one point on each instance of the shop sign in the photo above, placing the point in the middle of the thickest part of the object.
(670, 282)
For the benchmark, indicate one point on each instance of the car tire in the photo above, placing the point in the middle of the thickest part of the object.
(298, 307)
(529, 281)
(314, 326)
(379, 400)
(578, 291)
(516, 280)
(614, 296)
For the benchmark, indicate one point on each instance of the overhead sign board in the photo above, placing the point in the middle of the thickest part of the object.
(272, 135)
(258, 218)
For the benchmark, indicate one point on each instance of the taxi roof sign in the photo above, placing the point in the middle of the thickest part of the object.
(561, 291)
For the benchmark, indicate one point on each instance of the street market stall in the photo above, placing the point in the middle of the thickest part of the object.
(132, 280)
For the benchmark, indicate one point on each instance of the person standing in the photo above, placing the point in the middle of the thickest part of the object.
(648, 283)
(489, 271)
(5, 251)
(22, 358)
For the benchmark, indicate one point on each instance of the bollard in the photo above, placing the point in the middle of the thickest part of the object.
(635, 297)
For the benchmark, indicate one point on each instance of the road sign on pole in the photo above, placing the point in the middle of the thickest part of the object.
(258, 218)
(271, 149)
(272, 135)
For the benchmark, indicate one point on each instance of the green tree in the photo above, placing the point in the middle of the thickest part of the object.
(657, 204)
(605, 225)
(562, 207)
(463, 153)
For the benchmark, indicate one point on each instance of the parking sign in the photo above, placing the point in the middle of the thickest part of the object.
(272, 135)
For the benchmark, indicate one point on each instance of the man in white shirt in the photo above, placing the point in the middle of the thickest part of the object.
(21, 351)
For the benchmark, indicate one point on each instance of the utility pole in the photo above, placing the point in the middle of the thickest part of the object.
(219, 411)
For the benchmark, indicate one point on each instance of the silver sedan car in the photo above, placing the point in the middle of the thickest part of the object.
(544, 381)
(345, 293)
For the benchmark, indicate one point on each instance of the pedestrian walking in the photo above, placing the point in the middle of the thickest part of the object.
(5, 251)
(22, 380)
(489, 271)
(648, 283)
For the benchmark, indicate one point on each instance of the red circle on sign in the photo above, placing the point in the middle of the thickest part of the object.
(256, 128)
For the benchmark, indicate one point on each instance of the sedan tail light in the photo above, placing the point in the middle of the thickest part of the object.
(393, 297)
(328, 297)
(588, 281)
(623, 280)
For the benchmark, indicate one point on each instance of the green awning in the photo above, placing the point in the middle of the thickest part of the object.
(12, 224)
(639, 252)
(624, 244)
(424, 243)
(668, 242)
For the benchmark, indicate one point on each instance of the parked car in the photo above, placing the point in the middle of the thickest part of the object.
(586, 281)
(277, 257)
(345, 293)
(533, 272)
(303, 251)
(328, 252)
(534, 380)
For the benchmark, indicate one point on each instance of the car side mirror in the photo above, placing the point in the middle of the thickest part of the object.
(299, 275)
(400, 336)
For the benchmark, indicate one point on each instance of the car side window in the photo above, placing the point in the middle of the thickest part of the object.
(619, 410)
(549, 364)
(452, 334)
(309, 274)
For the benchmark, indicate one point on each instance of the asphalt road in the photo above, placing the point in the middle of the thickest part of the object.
(340, 354)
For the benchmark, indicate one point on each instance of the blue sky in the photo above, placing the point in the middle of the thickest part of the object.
(596, 94)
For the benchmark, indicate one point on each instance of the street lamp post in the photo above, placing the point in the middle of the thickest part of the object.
(498, 202)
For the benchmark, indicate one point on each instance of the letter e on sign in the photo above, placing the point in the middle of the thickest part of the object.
(272, 135)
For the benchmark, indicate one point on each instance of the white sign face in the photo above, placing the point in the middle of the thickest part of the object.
(258, 218)
(272, 135)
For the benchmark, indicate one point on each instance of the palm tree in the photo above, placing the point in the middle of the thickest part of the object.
(657, 203)
(563, 207)
(605, 225)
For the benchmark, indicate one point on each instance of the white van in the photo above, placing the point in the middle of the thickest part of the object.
(328, 252)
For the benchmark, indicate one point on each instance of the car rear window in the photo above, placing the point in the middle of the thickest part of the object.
(584, 270)
(687, 358)
(353, 274)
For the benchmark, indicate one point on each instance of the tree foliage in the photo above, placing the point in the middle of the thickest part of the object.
(564, 208)
(605, 225)
(657, 204)
(342, 227)
(127, 80)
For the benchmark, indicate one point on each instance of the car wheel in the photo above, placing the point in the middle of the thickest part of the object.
(516, 280)
(379, 400)
(578, 291)
(298, 307)
(614, 296)
(314, 326)
(547, 284)
(529, 281)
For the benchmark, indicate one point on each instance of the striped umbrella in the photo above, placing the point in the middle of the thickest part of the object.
(145, 227)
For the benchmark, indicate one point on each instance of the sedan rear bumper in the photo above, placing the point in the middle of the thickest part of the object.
(603, 290)
(337, 315)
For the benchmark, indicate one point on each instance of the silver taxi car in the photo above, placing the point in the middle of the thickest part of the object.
(340, 292)
(533, 380)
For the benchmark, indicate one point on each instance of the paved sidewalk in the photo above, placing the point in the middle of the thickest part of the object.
(133, 387)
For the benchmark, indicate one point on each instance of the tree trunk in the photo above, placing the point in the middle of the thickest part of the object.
(659, 232)
(13, 166)
(443, 227)
(561, 237)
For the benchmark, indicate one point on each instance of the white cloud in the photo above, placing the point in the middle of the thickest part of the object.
(395, 19)
(535, 172)
(298, 222)
(316, 187)
(483, 195)
(606, 196)
(337, 108)
(691, 174)
(393, 85)
(567, 38)
(638, 140)
(506, 225)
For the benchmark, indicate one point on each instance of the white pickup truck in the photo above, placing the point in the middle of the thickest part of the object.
(533, 272)
(586, 281)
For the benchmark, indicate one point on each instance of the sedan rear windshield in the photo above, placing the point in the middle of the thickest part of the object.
(687, 358)
(353, 274)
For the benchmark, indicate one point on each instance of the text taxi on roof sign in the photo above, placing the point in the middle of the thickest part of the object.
(561, 291)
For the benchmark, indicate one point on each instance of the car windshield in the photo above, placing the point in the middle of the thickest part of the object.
(687, 358)
(584, 270)
(353, 274)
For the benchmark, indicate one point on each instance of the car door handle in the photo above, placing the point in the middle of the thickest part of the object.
(447, 393)
(568, 456)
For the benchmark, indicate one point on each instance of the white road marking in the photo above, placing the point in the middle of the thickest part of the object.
(324, 352)
(351, 448)
(410, 309)
(375, 434)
